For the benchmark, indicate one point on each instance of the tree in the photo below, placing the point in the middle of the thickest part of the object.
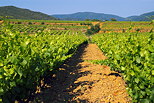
(113, 19)
(87, 19)
(94, 29)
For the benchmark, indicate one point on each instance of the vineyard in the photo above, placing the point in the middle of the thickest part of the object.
(122, 27)
(131, 54)
(33, 49)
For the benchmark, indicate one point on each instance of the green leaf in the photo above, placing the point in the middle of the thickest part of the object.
(1, 64)
(1, 76)
(1, 90)
(12, 84)
(19, 72)
(138, 59)
(123, 68)
(137, 80)
(152, 72)
(142, 53)
(117, 57)
(142, 86)
(132, 73)
(145, 101)
(11, 70)
(24, 62)
(36, 69)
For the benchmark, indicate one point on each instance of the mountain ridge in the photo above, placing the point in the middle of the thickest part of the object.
(102, 16)
(142, 17)
(22, 13)
(88, 15)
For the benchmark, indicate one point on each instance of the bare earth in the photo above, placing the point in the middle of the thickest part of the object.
(78, 81)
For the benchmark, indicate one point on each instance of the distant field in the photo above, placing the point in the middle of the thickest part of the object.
(49, 21)
(106, 27)
(125, 26)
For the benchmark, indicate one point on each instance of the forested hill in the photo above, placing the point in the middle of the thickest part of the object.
(102, 16)
(19, 13)
(143, 17)
(88, 15)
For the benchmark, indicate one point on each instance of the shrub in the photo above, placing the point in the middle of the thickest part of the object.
(93, 29)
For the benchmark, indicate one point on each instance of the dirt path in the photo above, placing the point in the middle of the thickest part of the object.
(78, 81)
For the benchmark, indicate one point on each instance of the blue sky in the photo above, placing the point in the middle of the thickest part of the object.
(122, 8)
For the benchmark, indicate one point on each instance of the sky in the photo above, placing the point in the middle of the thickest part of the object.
(122, 8)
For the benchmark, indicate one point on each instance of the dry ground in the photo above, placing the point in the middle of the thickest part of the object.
(78, 81)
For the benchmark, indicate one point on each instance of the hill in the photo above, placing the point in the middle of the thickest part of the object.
(102, 16)
(19, 13)
(88, 15)
(142, 17)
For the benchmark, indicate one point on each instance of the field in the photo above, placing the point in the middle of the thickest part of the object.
(131, 54)
(52, 58)
(129, 26)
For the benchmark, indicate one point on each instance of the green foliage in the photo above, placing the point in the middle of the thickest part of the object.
(24, 59)
(47, 21)
(30, 23)
(132, 54)
(86, 23)
(123, 26)
(93, 20)
(19, 22)
(93, 29)
(42, 23)
(113, 19)
(46, 29)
